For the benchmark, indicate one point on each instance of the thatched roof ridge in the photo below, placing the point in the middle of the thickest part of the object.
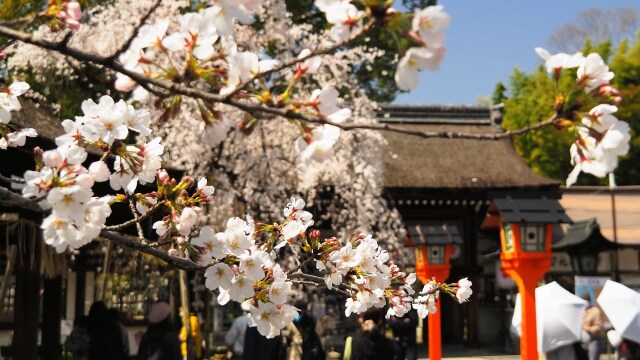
(437, 163)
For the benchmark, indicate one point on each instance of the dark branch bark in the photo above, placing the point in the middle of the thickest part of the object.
(12, 200)
(166, 88)
(135, 244)
(317, 52)
(134, 33)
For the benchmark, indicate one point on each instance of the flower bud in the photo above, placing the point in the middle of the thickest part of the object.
(85, 180)
(74, 10)
(100, 171)
(163, 175)
(52, 158)
(173, 252)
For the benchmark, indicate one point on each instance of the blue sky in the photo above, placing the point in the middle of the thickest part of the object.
(488, 38)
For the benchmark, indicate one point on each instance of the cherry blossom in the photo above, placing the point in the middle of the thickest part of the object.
(430, 23)
(593, 72)
(196, 33)
(345, 18)
(464, 290)
(100, 171)
(557, 62)
(310, 65)
(416, 59)
(241, 262)
(218, 275)
(9, 100)
(212, 245)
(187, 221)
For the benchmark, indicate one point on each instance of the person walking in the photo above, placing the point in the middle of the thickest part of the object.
(234, 338)
(369, 342)
(593, 325)
(404, 334)
(258, 347)
(306, 325)
(160, 341)
(192, 341)
(105, 335)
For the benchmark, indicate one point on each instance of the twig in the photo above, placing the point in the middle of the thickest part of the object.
(301, 265)
(134, 244)
(317, 52)
(134, 212)
(134, 33)
(134, 220)
(341, 288)
(10, 180)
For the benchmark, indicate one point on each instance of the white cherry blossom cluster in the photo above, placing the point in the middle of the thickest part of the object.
(601, 137)
(317, 145)
(241, 259)
(213, 57)
(427, 30)
(64, 184)
(344, 17)
(184, 208)
(10, 135)
(243, 265)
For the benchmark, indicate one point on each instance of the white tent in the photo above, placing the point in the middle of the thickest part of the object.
(559, 316)
(622, 307)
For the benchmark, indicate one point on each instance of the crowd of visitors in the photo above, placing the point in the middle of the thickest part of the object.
(101, 335)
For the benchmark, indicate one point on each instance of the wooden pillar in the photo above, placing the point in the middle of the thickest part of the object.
(471, 258)
(81, 285)
(51, 318)
(27, 299)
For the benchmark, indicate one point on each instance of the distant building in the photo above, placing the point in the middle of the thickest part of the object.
(453, 181)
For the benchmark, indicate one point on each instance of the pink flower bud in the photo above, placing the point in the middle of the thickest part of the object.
(72, 24)
(74, 10)
(85, 180)
(163, 175)
(62, 15)
(173, 252)
(181, 240)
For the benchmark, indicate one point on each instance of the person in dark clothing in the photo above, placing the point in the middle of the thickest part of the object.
(258, 347)
(105, 335)
(306, 324)
(124, 334)
(369, 342)
(404, 334)
(160, 341)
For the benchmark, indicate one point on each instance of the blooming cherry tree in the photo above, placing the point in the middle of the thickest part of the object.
(230, 84)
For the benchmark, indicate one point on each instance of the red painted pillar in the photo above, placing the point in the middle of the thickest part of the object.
(526, 271)
(435, 335)
(440, 273)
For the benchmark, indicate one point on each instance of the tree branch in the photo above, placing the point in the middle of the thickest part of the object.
(317, 52)
(133, 221)
(319, 281)
(135, 244)
(134, 33)
(10, 199)
(165, 88)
